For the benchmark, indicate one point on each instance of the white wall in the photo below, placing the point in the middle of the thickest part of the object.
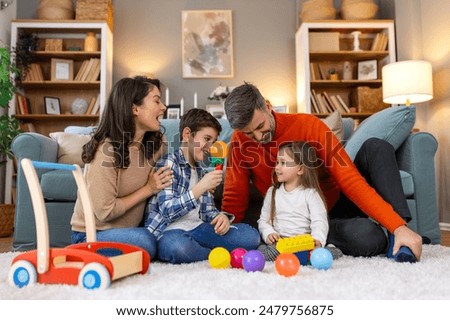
(423, 31)
(6, 15)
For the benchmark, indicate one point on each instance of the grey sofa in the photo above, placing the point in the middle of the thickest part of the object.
(415, 159)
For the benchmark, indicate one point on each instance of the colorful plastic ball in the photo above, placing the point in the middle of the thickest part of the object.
(253, 261)
(321, 259)
(287, 264)
(236, 257)
(219, 258)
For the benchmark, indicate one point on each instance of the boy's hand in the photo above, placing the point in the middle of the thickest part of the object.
(210, 181)
(159, 179)
(272, 238)
(221, 224)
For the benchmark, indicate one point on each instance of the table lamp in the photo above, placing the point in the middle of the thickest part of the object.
(407, 82)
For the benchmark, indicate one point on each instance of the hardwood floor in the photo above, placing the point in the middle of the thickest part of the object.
(5, 243)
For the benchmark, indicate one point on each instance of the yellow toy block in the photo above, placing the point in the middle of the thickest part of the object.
(298, 243)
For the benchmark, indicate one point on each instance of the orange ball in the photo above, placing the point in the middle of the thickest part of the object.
(287, 264)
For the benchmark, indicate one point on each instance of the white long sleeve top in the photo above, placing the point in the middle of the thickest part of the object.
(300, 211)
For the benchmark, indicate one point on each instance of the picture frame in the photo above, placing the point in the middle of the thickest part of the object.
(61, 70)
(173, 111)
(217, 110)
(52, 105)
(367, 70)
(207, 43)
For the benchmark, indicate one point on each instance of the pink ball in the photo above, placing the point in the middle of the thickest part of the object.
(236, 257)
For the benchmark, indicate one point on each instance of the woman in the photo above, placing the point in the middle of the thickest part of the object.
(120, 172)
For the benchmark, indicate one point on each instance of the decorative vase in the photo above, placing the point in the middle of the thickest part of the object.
(90, 42)
(356, 35)
(348, 71)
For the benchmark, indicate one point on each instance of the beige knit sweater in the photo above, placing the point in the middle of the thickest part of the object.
(107, 185)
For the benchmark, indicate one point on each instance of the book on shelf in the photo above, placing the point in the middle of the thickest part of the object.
(34, 73)
(343, 104)
(81, 70)
(328, 103)
(95, 71)
(380, 41)
(315, 73)
(322, 72)
(96, 106)
(314, 105)
(337, 105)
(31, 127)
(91, 105)
(322, 103)
(22, 106)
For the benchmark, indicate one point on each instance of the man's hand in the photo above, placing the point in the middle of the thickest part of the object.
(221, 224)
(406, 237)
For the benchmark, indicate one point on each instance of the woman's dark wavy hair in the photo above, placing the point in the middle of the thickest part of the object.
(117, 122)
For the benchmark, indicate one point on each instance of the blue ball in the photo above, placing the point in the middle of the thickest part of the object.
(321, 259)
(253, 261)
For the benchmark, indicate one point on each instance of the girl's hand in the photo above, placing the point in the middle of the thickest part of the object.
(272, 238)
(317, 244)
(159, 179)
(221, 224)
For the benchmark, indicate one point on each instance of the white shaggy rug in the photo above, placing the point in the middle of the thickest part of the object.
(348, 278)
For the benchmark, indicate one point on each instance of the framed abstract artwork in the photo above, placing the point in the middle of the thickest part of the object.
(207, 43)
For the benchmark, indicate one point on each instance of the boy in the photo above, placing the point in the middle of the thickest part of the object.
(183, 216)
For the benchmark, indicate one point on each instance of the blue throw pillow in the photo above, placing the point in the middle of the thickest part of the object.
(392, 124)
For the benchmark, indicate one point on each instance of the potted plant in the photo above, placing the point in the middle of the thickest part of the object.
(333, 74)
(9, 128)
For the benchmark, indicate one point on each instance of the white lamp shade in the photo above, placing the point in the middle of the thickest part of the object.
(407, 82)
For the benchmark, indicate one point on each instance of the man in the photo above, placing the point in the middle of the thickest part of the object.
(350, 199)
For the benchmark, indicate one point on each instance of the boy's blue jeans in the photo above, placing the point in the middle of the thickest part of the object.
(179, 246)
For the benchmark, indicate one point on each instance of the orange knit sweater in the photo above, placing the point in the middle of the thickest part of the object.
(249, 160)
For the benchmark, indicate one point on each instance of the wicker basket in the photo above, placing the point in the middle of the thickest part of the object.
(368, 100)
(53, 44)
(7, 219)
(359, 11)
(95, 10)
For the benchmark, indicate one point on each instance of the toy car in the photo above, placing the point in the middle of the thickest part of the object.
(91, 264)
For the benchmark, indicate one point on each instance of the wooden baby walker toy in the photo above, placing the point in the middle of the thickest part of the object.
(91, 264)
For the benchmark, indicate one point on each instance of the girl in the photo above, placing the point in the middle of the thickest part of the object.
(294, 204)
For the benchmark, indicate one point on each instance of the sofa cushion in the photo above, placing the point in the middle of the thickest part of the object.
(334, 122)
(407, 183)
(70, 147)
(392, 124)
(59, 185)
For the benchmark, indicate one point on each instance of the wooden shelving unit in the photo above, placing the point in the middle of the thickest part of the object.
(72, 33)
(334, 58)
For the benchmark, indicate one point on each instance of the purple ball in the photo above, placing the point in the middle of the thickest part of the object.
(253, 261)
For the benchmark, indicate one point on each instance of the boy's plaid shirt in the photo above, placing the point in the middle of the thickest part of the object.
(177, 200)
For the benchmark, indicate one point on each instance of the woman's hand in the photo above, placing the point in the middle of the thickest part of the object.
(272, 238)
(221, 224)
(159, 179)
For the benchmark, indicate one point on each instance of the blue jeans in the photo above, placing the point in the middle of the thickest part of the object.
(179, 246)
(140, 237)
